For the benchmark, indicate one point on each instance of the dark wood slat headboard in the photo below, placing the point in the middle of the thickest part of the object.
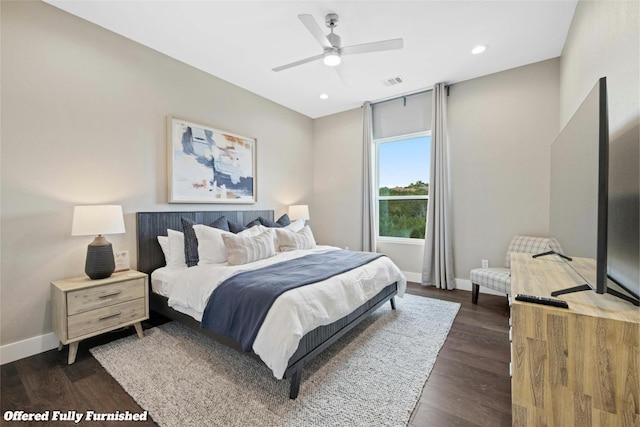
(150, 225)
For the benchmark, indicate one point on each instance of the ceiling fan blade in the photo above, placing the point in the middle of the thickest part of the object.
(295, 64)
(315, 30)
(344, 74)
(372, 47)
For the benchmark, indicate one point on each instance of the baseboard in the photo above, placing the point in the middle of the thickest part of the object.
(462, 284)
(413, 277)
(25, 348)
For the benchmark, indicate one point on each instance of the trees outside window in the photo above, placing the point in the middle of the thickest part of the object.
(402, 181)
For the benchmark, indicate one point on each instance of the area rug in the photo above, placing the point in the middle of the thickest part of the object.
(373, 376)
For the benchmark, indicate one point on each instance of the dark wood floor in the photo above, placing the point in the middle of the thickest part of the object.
(469, 384)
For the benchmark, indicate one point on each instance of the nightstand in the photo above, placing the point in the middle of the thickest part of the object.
(82, 308)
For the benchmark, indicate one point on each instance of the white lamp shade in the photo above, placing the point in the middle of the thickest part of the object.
(97, 219)
(298, 212)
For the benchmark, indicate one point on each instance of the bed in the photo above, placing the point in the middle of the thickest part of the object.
(150, 225)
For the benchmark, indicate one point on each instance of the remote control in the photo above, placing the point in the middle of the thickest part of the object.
(542, 300)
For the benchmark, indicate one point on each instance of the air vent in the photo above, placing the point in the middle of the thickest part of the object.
(392, 81)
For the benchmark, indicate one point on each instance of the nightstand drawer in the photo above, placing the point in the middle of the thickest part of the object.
(102, 296)
(103, 318)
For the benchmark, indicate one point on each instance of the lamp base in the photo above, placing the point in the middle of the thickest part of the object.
(100, 262)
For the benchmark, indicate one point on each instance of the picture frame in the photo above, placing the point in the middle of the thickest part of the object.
(121, 259)
(209, 165)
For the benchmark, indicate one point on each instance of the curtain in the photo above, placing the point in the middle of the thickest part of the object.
(437, 268)
(368, 199)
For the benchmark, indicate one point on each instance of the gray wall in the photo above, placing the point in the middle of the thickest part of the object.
(83, 122)
(501, 128)
(337, 179)
(603, 41)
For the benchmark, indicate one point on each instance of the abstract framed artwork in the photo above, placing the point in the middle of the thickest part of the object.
(208, 165)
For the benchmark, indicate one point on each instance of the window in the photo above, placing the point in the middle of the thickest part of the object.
(402, 181)
(402, 151)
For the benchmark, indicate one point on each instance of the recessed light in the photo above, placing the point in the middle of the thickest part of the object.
(478, 49)
(324, 96)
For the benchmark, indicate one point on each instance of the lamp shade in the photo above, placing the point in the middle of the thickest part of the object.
(299, 212)
(97, 219)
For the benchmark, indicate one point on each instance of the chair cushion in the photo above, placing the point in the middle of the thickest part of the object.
(498, 279)
(531, 245)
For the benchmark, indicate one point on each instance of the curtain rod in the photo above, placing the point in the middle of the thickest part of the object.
(408, 95)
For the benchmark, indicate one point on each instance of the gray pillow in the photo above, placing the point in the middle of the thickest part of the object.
(281, 222)
(191, 256)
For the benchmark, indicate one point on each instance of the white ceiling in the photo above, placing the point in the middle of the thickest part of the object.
(241, 41)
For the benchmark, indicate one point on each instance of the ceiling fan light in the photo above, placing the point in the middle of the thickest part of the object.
(332, 58)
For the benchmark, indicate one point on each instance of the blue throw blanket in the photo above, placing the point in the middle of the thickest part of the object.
(239, 305)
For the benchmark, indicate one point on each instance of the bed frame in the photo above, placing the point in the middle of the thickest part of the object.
(150, 257)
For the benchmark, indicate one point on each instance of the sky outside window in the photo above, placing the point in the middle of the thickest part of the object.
(404, 162)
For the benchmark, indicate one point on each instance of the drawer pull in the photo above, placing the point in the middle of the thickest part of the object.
(110, 295)
(109, 316)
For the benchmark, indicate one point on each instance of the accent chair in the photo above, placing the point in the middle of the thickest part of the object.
(499, 278)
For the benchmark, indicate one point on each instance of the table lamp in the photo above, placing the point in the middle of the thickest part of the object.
(98, 220)
(299, 212)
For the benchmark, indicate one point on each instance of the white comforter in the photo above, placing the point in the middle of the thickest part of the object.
(295, 312)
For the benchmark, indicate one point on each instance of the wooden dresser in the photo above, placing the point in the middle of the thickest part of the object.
(572, 367)
(82, 308)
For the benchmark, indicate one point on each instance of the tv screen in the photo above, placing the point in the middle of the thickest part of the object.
(579, 163)
(595, 196)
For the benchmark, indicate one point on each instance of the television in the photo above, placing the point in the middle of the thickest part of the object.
(623, 230)
(579, 215)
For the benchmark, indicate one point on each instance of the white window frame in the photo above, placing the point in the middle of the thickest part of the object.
(376, 183)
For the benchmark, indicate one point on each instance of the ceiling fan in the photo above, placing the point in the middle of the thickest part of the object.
(333, 50)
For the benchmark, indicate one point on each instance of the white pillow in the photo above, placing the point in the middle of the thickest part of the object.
(211, 247)
(289, 240)
(243, 249)
(164, 245)
(295, 226)
(176, 249)
(253, 231)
